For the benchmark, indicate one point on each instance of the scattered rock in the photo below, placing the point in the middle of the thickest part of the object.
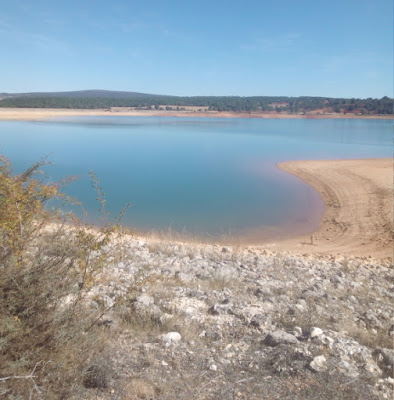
(318, 364)
(347, 369)
(279, 337)
(314, 332)
(267, 296)
(145, 300)
(297, 332)
(170, 338)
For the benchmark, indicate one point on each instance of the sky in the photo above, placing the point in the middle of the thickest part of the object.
(330, 48)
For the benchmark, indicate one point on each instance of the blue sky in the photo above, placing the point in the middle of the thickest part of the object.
(333, 48)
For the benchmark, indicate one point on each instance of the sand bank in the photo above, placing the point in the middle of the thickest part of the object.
(36, 114)
(358, 195)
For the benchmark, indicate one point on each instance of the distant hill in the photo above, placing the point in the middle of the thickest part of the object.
(94, 99)
(78, 94)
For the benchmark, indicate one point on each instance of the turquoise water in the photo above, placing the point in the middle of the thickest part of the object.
(208, 177)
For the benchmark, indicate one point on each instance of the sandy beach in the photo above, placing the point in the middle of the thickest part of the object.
(36, 114)
(358, 219)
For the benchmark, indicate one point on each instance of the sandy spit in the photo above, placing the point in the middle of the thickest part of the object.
(34, 114)
(358, 195)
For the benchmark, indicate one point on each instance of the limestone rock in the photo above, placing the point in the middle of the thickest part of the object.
(279, 337)
(170, 338)
(145, 300)
(318, 364)
(314, 332)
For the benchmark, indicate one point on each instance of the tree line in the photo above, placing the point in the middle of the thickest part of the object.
(293, 105)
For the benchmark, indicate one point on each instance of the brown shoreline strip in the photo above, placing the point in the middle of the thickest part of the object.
(39, 114)
(358, 196)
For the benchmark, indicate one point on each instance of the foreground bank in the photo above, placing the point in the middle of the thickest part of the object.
(209, 322)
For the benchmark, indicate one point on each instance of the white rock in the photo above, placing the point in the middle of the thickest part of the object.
(318, 364)
(297, 332)
(170, 338)
(213, 367)
(145, 300)
(347, 369)
(314, 332)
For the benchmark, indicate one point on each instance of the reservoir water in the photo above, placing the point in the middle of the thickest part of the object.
(200, 176)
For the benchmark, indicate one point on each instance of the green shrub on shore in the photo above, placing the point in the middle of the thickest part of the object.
(48, 335)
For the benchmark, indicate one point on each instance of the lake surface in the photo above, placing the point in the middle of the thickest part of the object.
(204, 177)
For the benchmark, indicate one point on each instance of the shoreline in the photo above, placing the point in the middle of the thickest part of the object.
(358, 219)
(40, 114)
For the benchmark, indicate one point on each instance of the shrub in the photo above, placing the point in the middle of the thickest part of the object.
(48, 335)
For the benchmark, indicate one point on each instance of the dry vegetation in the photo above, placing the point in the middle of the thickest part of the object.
(48, 337)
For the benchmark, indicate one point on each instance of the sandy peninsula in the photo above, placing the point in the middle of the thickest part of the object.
(37, 114)
(358, 195)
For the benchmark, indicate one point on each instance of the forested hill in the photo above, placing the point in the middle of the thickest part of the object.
(94, 99)
(88, 94)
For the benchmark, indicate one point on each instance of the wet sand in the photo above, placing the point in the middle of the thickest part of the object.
(358, 195)
(36, 114)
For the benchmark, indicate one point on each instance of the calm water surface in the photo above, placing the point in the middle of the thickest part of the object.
(208, 177)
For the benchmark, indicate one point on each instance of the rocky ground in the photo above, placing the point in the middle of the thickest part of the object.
(187, 321)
